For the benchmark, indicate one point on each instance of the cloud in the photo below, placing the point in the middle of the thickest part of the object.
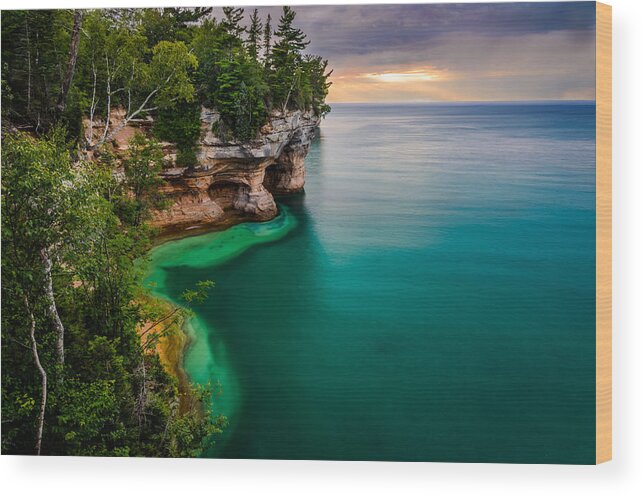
(496, 51)
(536, 66)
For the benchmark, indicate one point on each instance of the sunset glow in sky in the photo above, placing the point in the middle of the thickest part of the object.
(454, 52)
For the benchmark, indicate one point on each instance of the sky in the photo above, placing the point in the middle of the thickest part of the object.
(453, 52)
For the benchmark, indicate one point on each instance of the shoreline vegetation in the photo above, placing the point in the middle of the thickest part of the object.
(92, 362)
(170, 348)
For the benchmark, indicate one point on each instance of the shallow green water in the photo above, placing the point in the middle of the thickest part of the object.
(430, 297)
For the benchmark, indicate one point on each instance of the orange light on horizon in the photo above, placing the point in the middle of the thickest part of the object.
(403, 77)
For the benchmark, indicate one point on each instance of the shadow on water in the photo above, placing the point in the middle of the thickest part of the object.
(257, 313)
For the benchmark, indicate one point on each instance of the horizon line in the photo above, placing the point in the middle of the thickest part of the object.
(447, 102)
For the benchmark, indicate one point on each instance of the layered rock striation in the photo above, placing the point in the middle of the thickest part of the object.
(237, 180)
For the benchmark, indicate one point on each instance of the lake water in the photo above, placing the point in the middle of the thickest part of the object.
(430, 297)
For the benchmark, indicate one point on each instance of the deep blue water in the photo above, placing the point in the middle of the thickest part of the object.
(433, 298)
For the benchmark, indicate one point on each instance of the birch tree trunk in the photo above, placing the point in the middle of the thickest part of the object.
(43, 377)
(52, 310)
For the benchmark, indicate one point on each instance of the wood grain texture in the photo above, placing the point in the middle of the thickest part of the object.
(603, 232)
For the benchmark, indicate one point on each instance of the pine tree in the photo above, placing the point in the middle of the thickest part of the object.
(254, 34)
(292, 41)
(286, 76)
(267, 35)
(232, 21)
(184, 16)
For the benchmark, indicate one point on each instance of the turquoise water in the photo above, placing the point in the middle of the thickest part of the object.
(430, 297)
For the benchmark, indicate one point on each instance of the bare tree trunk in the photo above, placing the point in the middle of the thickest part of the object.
(107, 136)
(71, 63)
(140, 403)
(43, 377)
(292, 86)
(92, 108)
(28, 65)
(109, 104)
(51, 307)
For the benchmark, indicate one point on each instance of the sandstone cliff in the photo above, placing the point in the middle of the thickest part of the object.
(238, 180)
(233, 181)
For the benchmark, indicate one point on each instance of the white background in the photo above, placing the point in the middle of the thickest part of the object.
(622, 476)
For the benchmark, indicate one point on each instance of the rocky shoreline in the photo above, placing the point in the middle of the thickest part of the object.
(235, 182)
(232, 181)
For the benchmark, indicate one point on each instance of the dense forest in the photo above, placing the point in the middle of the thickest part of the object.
(81, 373)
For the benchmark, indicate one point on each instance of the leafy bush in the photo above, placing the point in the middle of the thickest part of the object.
(180, 124)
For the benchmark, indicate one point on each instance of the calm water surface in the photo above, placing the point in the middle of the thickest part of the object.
(430, 297)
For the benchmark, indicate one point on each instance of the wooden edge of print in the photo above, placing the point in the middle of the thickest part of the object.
(603, 232)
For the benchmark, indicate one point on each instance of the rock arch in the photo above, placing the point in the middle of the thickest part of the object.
(227, 193)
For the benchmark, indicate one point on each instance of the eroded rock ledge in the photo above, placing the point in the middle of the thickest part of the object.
(238, 180)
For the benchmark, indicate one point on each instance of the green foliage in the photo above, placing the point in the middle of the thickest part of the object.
(114, 398)
(116, 66)
(267, 40)
(89, 420)
(230, 80)
(199, 294)
(34, 54)
(168, 72)
(44, 198)
(240, 97)
(232, 22)
(142, 166)
(254, 35)
(155, 62)
(170, 24)
(186, 158)
(244, 88)
(297, 81)
(190, 434)
(180, 124)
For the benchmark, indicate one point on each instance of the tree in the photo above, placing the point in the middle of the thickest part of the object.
(185, 16)
(39, 200)
(316, 84)
(286, 58)
(116, 399)
(81, 375)
(232, 21)
(267, 36)
(71, 64)
(142, 166)
(170, 24)
(292, 41)
(231, 81)
(180, 124)
(33, 64)
(41, 371)
(254, 34)
(119, 73)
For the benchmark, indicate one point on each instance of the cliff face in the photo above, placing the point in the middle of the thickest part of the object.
(238, 180)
